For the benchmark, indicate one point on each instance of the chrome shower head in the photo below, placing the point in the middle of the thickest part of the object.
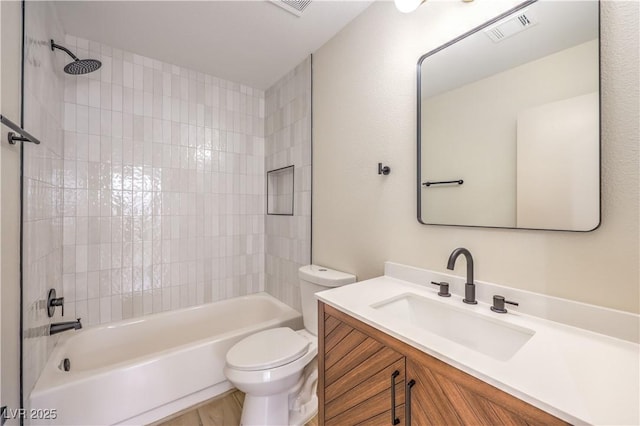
(78, 66)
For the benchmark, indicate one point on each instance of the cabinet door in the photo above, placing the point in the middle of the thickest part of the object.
(445, 395)
(358, 375)
(429, 404)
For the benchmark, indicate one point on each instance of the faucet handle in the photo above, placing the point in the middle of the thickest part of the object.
(498, 304)
(444, 288)
(53, 301)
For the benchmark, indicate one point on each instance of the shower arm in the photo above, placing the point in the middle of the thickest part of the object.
(57, 46)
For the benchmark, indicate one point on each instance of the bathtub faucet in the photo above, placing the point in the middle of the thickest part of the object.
(59, 327)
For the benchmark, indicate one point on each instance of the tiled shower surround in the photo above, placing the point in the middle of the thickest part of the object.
(288, 133)
(148, 192)
(164, 187)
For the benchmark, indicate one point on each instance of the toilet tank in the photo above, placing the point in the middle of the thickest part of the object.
(314, 278)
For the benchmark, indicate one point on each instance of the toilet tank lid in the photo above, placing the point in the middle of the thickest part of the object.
(325, 276)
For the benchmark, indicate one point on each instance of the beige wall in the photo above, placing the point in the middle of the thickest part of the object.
(558, 184)
(10, 52)
(364, 112)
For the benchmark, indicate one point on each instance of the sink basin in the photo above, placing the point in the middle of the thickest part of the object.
(494, 338)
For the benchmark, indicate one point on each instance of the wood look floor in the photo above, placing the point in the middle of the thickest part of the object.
(222, 411)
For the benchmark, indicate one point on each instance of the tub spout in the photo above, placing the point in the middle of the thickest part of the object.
(59, 327)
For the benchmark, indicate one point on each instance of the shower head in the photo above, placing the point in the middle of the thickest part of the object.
(78, 66)
(82, 66)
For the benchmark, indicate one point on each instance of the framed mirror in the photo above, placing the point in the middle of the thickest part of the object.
(509, 122)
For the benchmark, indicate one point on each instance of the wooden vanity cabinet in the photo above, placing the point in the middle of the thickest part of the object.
(359, 366)
(358, 373)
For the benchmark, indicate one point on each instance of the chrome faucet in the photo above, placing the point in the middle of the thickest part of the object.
(59, 327)
(469, 287)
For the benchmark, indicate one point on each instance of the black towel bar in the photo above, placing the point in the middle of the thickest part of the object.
(459, 182)
(13, 138)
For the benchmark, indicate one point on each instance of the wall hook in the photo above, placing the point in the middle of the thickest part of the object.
(383, 170)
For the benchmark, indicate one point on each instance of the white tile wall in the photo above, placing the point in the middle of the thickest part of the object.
(164, 187)
(288, 142)
(42, 205)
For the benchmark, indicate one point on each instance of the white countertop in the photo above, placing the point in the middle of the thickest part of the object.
(577, 375)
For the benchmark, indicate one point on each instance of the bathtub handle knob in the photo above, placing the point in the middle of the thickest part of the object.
(53, 301)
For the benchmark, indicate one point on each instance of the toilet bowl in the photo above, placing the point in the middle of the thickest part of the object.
(268, 381)
(277, 368)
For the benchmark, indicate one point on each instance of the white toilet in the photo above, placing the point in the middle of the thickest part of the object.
(277, 368)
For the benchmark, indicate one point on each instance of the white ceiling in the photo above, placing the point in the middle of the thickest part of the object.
(250, 42)
(560, 25)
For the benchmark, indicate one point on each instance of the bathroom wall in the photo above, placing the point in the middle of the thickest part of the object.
(364, 112)
(164, 187)
(10, 64)
(288, 142)
(42, 185)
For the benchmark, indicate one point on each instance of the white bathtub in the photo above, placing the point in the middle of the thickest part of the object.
(140, 370)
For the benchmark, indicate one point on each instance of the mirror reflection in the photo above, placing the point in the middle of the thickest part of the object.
(508, 128)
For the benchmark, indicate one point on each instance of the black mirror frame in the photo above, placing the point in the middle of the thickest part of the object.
(419, 120)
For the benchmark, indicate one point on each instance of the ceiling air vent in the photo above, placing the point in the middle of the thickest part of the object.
(512, 26)
(295, 7)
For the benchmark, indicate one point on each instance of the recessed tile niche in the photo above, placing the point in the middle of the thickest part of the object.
(280, 191)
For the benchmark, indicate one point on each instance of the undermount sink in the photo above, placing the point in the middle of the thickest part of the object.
(494, 338)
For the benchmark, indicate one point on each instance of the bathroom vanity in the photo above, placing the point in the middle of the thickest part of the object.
(360, 365)
(382, 360)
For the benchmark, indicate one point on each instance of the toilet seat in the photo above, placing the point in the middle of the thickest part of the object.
(258, 351)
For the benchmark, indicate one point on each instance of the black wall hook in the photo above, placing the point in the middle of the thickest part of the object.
(383, 170)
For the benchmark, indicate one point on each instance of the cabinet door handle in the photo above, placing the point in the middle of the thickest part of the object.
(407, 405)
(394, 419)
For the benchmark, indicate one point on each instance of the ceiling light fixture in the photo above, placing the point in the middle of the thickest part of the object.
(408, 6)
